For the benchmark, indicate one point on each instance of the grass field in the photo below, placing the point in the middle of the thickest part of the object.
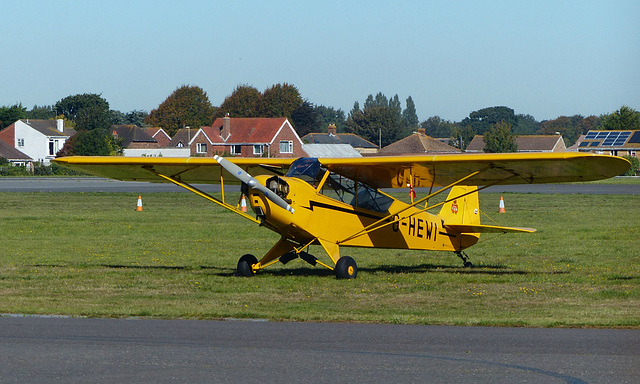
(91, 254)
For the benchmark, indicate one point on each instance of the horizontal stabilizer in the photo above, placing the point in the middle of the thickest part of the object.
(479, 228)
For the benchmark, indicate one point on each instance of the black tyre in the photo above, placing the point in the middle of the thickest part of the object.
(346, 268)
(468, 264)
(244, 265)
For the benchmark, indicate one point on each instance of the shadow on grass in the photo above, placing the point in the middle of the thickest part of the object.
(320, 271)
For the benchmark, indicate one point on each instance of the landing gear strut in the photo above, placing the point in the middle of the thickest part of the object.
(465, 259)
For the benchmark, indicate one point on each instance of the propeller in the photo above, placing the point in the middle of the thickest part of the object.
(246, 178)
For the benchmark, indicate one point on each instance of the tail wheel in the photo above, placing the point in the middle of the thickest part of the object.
(245, 265)
(346, 268)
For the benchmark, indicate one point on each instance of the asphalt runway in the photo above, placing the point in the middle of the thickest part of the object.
(75, 350)
(94, 184)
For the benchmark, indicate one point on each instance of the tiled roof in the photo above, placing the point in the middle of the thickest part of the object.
(184, 136)
(341, 138)
(418, 143)
(10, 153)
(48, 127)
(249, 129)
(131, 133)
(160, 135)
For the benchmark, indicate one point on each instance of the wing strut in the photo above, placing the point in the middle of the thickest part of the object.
(385, 220)
(207, 196)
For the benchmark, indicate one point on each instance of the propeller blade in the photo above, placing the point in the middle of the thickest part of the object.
(246, 178)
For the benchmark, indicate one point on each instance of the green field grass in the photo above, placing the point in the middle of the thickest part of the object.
(92, 254)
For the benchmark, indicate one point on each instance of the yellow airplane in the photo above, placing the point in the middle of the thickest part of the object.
(338, 203)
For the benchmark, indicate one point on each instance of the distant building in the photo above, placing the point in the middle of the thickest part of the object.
(525, 143)
(133, 137)
(330, 150)
(243, 137)
(418, 143)
(332, 137)
(616, 143)
(159, 135)
(38, 139)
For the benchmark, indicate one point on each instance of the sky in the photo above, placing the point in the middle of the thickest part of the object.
(542, 58)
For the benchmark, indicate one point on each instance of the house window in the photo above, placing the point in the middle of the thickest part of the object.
(54, 146)
(286, 146)
(236, 149)
(201, 148)
(20, 142)
(258, 150)
(180, 145)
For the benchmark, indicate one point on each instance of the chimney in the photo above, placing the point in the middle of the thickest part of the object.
(332, 129)
(226, 127)
(60, 125)
(421, 131)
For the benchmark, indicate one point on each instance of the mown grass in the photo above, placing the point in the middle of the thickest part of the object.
(92, 254)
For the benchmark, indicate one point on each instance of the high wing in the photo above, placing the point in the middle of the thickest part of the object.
(191, 170)
(483, 169)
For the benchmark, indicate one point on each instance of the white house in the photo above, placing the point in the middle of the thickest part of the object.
(39, 139)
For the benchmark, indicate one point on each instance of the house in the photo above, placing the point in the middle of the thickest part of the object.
(616, 143)
(244, 137)
(525, 143)
(160, 135)
(133, 137)
(332, 137)
(418, 143)
(38, 139)
(14, 156)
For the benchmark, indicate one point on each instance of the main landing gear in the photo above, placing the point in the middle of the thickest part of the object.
(346, 267)
(465, 259)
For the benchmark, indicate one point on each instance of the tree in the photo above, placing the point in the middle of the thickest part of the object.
(437, 127)
(306, 119)
(72, 106)
(379, 121)
(563, 125)
(526, 125)
(330, 115)
(625, 118)
(9, 115)
(280, 100)
(410, 115)
(44, 112)
(499, 139)
(186, 106)
(245, 101)
(483, 119)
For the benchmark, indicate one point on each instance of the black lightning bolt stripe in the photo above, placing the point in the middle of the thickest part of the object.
(313, 204)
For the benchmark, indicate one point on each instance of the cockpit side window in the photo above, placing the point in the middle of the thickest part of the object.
(339, 187)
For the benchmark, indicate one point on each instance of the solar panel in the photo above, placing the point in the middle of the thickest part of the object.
(602, 135)
(591, 135)
(635, 139)
(584, 144)
(594, 143)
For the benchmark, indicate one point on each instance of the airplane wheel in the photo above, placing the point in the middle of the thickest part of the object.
(346, 268)
(468, 264)
(244, 265)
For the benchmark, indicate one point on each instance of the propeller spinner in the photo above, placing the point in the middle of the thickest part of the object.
(246, 178)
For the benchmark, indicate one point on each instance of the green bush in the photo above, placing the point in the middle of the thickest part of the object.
(635, 166)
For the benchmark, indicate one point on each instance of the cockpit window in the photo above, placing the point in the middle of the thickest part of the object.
(339, 187)
(307, 169)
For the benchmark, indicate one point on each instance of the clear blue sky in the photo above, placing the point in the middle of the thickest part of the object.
(543, 58)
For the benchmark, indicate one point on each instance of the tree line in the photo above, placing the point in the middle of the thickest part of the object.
(381, 120)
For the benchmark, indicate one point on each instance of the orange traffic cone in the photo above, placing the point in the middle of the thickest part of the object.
(243, 204)
(501, 206)
(139, 206)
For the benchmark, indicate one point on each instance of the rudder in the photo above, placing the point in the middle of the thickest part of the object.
(462, 207)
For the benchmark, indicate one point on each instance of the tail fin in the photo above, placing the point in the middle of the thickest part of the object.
(463, 207)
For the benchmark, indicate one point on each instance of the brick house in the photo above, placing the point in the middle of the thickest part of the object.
(243, 137)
